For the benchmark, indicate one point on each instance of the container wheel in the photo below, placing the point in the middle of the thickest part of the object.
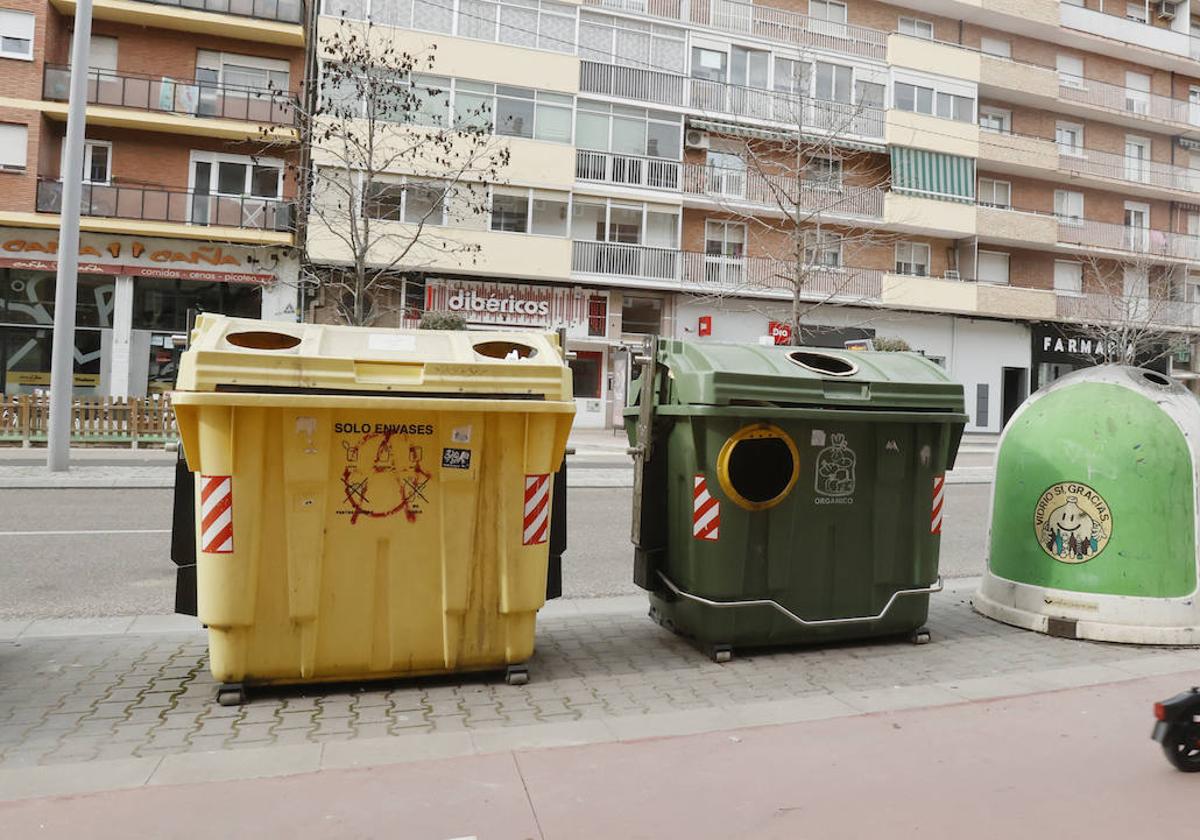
(921, 636)
(517, 674)
(1182, 746)
(231, 694)
(721, 653)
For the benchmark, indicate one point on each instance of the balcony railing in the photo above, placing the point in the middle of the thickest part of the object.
(720, 99)
(743, 186)
(1120, 309)
(1110, 97)
(1150, 243)
(708, 272)
(174, 96)
(283, 11)
(791, 28)
(627, 170)
(1125, 168)
(159, 204)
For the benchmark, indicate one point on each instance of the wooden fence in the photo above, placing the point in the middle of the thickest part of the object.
(25, 418)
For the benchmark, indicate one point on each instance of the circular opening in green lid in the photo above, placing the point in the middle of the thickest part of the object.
(823, 363)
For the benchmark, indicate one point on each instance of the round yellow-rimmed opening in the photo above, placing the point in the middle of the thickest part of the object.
(758, 466)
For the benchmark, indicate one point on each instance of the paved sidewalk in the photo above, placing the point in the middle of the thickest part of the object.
(1063, 764)
(132, 703)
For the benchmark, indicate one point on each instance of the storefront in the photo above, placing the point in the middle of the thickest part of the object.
(584, 313)
(991, 358)
(133, 295)
(1059, 349)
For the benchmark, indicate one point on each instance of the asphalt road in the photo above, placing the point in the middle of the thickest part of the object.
(76, 553)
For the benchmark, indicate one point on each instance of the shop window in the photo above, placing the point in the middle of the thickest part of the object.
(597, 314)
(27, 297)
(641, 315)
(586, 369)
(162, 305)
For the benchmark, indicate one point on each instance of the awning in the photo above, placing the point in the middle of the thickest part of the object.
(735, 130)
(933, 174)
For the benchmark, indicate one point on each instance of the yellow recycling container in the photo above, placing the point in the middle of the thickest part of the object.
(369, 503)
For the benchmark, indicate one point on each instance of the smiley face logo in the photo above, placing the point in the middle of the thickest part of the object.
(1072, 522)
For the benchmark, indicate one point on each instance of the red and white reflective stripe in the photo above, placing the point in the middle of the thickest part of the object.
(706, 512)
(537, 509)
(939, 499)
(216, 514)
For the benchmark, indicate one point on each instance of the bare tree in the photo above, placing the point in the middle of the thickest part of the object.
(1131, 309)
(390, 176)
(807, 202)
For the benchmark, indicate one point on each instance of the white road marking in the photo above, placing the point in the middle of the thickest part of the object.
(83, 533)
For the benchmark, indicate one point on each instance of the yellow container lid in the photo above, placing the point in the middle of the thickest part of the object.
(251, 356)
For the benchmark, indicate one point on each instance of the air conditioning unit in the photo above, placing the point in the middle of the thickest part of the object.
(951, 274)
(1166, 10)
(694, 138)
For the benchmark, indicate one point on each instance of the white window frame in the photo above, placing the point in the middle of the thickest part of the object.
(1137, 12)
(89, 148)
(836, 169)
(1074, 289)
(1078, 150)
(1003, 114)
(915, 27)
(1000, 48)
(17, 25)
(250, 161)
(217, 61)
(909, 251)
(725, 226)
(991, 185)
(1007, 267)
(1065, 217)
(819, 244)
(15, 131)
(1137, 96)
(532, 195)
(1069, 78)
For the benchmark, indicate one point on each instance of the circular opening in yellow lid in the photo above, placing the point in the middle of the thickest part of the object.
(262, 340)
(505, 350)
(758, 466)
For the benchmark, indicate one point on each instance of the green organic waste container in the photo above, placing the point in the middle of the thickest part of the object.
(787, 495)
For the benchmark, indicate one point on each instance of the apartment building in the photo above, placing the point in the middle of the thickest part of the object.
(187, 201)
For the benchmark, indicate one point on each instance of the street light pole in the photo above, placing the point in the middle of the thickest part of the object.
(62, 358)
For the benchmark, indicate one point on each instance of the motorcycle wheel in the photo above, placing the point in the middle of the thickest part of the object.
(1182, 746)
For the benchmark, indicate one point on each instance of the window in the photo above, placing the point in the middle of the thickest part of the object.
(995, 120)
(993, 267)
(549, 216)
(953, 107)
(1070, 71)
(1137, 92)
(708, 64)
(1136, 11)
(823, 172)
(1068, 277)
(995, 46)
(914, 98)
(16, 35)
(102, 53)
(424, 203)
(97, 162)
(993, 193)
(524, 23)
(726, 174)
(641, 315)
(834, 82)
(912, 258)
(384, 201)
(597, 315)
(1068, 206)
(1069, 137)
(792, 76)
(1137, 158)
(510, 212)
(823, 248)
(512, 111)
(827, 17)
(749, 67)
(631, 43)
(725, 239)
(237, 175)
(13, 142)
(626, 130)
(241, 71)
(587, 370)
(916, 27)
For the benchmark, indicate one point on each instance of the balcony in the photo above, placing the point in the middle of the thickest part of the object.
(1006, 149)
(725, 100)
(1145, 243)
(627, 170)
(1120, 309)
(1135, 104)
(177, 207)
(741, 187)
(1106, 165)
(662, 267)
(1117, 27)
(180, 97)
(771, 24)
(270, 21)
(1005, 226)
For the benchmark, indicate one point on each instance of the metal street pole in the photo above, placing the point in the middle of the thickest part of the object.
(62, 359)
